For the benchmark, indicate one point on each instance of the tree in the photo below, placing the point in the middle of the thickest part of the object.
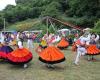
(1, 23)
(52, 10)
(79, 12)
(97, 27)
(81, 8)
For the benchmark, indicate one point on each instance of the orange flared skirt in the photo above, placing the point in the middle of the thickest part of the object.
(63, 44)
(51, 55)
(92, 50)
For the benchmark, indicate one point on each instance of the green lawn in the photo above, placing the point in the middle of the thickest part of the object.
(63, 71)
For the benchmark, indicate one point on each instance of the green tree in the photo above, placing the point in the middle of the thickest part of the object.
(97, 27)
(52, 10)
(81, 8)
(1, 23)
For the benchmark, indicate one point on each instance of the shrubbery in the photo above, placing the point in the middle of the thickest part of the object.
(97, 27)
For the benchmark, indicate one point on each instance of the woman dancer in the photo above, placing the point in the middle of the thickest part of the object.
(51, 55)
(63, 44)
(5, 50)
(20, 56)
(92, 49)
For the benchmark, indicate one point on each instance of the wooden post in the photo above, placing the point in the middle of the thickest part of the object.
(47, 22)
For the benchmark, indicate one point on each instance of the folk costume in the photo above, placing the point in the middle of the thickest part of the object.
(81, 49)
(20, 56)
(92, 49)
(5, 50)
(51, 55)
(63, 44)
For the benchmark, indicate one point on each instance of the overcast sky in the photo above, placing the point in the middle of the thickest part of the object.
(4, 3)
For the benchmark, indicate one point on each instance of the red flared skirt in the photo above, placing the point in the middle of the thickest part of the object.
(20, 56)
(51, 55)
(3, 55)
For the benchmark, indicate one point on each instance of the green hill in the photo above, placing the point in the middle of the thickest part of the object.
(28, 24)
(78, 12)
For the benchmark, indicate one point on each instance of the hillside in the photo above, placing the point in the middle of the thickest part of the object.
(24, 16)
(78, 12)
(37, 24)
(28, 24)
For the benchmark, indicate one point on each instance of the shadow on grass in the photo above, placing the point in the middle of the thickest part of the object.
(93, 60)
(3, 62)
(16, 67)
(55, 68)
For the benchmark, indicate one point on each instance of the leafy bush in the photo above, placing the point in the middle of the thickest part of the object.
(96, 28)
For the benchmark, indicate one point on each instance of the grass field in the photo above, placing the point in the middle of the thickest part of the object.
(63, 71)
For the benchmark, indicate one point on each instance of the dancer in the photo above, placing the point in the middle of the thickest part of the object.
(74, 47)
(92, 49)
(63, 44)
(20, 56)
(81, 48)
(43, 44)
(5, 50)
(51, 55)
